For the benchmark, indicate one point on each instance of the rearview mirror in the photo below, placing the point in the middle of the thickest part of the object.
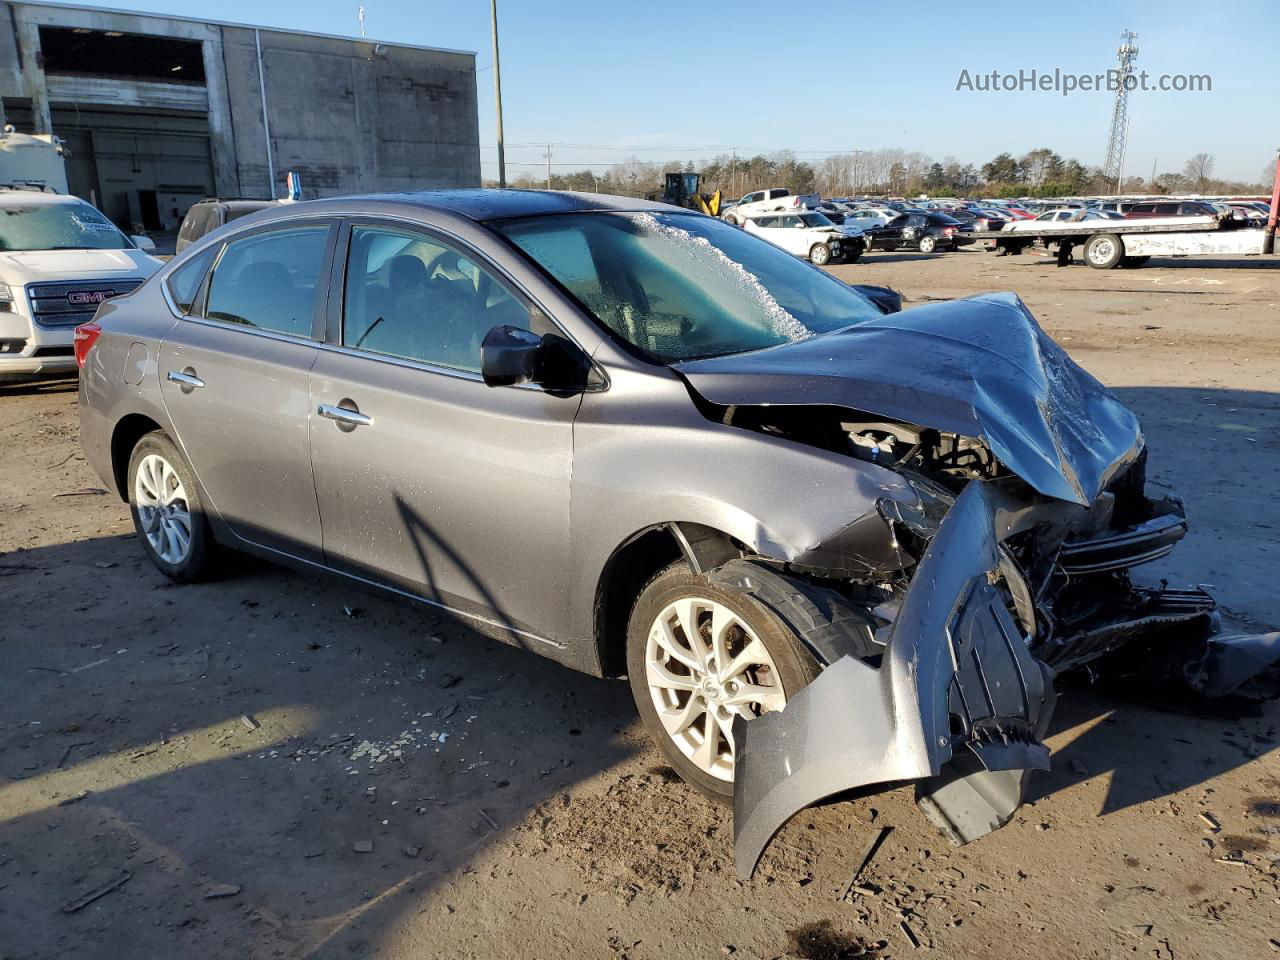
(144, 243)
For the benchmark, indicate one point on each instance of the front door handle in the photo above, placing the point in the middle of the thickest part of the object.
(187, 379)
(345, 417)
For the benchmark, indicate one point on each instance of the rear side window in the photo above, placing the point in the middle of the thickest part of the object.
(269, 280)
(184, 283)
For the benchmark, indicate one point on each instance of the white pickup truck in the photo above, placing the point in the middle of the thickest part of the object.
(769, 201)
(59, 258)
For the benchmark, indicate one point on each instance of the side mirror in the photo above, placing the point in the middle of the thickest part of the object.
(512, 355)
(144, 243)
(509, 355)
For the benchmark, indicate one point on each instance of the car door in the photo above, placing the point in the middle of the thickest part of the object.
(234, 380)
(428, 480)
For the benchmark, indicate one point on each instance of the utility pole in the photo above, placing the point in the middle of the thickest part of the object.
(733, 172)
(548, 156)
(1113, 165)
(497, 95)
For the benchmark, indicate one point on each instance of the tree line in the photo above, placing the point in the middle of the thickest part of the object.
(895, 172)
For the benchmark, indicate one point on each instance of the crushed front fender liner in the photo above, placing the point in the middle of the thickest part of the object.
(955, 676)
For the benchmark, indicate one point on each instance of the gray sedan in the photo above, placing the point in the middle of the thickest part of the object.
(829, 544)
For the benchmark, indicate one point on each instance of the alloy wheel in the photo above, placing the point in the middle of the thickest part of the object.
(703, 666)
(163, 513)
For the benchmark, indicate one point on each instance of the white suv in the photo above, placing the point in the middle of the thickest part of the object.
(59, 259)
(809, 234)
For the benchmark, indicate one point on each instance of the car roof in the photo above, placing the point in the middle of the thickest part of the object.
(37, 198)
(482, 205)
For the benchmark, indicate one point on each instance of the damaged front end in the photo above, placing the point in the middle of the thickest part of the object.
(955, 677)
(941, 624)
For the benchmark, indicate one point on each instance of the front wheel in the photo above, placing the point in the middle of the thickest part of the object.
(928, 244)
(853, 253)
(167, 513)
(820, 255)
(697, 656)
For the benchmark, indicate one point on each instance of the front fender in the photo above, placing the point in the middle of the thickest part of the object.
(955, 677)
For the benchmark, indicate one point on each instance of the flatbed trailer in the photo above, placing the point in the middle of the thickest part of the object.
(1130, 243)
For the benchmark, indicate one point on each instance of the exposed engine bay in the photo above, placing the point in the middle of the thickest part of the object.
(942, 623)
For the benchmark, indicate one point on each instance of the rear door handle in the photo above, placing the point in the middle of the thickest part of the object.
(186, 380)
(343, 416)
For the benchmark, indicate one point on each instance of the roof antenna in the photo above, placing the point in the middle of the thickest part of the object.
(360, 15)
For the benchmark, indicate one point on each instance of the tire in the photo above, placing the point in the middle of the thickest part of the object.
(854, 254)
(789, 668)
(1132, 263)
(730, 220)
(927, 244)
(820, 254)
(1103, 251)
(167, 512)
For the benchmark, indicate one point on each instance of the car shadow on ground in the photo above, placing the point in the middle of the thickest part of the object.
(231, 732)
(39, 387)
(258, 731)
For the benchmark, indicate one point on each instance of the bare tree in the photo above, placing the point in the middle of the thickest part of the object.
(1199, 170)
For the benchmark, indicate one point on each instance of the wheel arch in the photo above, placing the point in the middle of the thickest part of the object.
(124, 437)
(633, 563)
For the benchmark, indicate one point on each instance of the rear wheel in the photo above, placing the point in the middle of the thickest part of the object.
(167, 512)
(1103, 251)
(820, 254)
(697, 656)
(928, 244)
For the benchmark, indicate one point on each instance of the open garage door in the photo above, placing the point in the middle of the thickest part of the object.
(142, 169)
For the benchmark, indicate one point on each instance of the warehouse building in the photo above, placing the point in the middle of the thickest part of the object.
(157, 112)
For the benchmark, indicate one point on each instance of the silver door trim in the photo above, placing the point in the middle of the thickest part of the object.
(184, 379)
(343, 415)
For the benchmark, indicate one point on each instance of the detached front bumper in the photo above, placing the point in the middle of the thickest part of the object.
(955, 685)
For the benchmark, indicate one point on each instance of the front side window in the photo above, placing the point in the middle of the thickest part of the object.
(269, 280)
(681, 286)
(27, 225)
(410, 295)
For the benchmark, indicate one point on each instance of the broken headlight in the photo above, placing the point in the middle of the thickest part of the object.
(921, 518)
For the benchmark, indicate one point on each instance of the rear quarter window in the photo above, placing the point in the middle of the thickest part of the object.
(184, 282)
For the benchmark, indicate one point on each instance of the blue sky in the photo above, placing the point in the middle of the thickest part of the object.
(666, 80)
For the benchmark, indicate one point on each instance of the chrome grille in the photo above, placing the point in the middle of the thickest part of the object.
(58, 304)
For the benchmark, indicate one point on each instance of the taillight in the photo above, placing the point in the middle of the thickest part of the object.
(949, 231)
(85, 337)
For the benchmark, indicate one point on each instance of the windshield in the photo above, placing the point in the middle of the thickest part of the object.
(815, 220)
(680, 286)
(57, 226)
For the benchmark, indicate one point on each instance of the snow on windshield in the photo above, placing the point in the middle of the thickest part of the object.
(701, 249)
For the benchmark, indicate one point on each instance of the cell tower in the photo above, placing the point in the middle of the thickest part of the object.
(1126, 53)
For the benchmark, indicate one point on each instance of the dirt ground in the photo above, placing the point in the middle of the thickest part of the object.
(271, 766)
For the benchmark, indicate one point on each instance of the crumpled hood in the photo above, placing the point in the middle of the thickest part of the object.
(36, 266)
(979, 367)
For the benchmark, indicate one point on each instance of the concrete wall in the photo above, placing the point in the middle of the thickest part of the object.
(348, 115)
